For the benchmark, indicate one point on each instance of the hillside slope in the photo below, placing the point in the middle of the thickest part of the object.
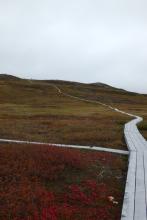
(34, 110)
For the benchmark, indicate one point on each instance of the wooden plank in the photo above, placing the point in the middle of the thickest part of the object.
(145, 173)
(129, 197)
(136, 186)
(96, 148)
(140, 194)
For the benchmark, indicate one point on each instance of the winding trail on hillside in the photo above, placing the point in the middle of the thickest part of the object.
(135, 198)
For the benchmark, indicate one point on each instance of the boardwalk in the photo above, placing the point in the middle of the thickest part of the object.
(135, 200)
(96, 148)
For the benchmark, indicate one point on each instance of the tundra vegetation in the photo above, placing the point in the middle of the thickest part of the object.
(34, 110)
(49, 183)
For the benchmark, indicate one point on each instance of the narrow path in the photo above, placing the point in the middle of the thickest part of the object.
(103, 149)
(135, 200)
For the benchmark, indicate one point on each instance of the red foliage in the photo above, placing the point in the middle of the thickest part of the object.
(34, 184)
(88, 201)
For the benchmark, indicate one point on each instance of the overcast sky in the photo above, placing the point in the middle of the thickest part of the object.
(80, 40)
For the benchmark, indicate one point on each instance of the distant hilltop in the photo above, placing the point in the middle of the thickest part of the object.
(5, 76)
(98, 85)
(101, 84)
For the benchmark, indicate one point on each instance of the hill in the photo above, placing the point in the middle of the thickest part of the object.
(34, 110)
(106, 86)
(8, 77)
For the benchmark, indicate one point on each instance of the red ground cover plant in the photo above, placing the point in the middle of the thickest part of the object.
(51, 183)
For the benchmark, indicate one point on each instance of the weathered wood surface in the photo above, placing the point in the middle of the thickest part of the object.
(135, 199)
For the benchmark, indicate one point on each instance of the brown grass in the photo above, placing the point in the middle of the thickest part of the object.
(33, 110)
